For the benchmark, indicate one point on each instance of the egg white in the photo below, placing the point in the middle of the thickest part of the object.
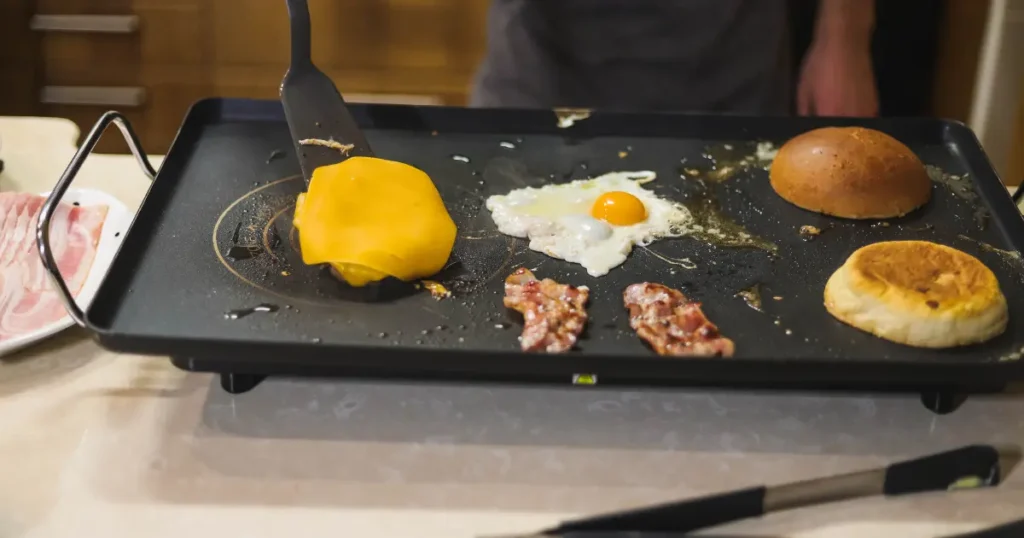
(556, 219)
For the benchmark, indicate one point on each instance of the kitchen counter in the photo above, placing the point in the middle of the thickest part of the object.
(98, 444)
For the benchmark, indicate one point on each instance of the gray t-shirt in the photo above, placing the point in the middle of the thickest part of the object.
(678, 55)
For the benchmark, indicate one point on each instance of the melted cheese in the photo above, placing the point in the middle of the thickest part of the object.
(372, 218)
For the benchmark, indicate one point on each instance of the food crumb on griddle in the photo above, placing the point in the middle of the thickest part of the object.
(777, 297)
(809, 232)
(766, 152)
(285, 273)
(332, 144)
(623, 154)
(436, 289)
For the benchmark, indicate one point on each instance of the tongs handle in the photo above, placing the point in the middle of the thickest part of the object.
(980, 465)
(46, 213)
(1013, 529)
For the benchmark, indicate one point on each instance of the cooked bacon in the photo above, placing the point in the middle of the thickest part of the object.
(553, 314)
(27, 300)
(672, 324)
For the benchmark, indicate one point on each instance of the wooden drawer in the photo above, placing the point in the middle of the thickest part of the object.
(156, 121)
(162, 36)
(179, 51)
(85, 7)
(80, 59)
(355, 34)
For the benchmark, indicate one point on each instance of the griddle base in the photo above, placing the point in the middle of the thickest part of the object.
(943, 401)
(940, 400)
(240, 383)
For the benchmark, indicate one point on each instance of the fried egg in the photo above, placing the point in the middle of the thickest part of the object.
(592, 222)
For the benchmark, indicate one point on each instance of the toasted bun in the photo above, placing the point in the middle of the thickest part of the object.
(918, 293)
(850, 172)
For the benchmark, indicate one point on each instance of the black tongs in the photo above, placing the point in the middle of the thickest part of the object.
(323, 130)
(969, 467)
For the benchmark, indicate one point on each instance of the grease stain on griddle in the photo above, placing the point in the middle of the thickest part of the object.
(713, 226)
(752, 296)
(962, 187)
(246, 312)
(726, 160)
(1012, 256)
(685, 263)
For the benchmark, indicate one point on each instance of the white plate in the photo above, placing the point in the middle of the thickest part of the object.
(114, 228)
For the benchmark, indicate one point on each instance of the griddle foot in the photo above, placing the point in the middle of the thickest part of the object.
(943, 402)
(239, 383)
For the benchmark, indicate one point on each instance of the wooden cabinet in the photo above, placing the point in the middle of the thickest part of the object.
(18, 67)
(152, 59)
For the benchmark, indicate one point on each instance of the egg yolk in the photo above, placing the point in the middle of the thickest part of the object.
(372, 218)
(619, 209)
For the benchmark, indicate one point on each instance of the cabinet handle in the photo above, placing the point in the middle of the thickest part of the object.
(394, 99)
(104, 24)
(111, 96)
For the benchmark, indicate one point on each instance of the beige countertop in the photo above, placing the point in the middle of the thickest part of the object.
(97, 444)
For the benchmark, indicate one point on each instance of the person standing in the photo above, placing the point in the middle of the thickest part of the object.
(725, 56)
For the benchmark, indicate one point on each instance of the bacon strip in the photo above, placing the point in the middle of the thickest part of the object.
(553, 313)
(672, 324)
(27, 300)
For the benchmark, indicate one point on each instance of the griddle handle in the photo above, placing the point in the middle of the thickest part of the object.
(46, 214)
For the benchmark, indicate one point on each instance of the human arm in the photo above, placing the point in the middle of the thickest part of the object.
(837, 77)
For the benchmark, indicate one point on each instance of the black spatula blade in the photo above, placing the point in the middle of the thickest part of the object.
(313, 106)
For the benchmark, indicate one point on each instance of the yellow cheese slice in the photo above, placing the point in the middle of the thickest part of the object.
(372, 218)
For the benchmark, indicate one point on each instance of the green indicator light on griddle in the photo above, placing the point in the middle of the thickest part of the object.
(584, 379)
(967, 482)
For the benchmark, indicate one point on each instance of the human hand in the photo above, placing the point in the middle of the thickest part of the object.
(837, 79)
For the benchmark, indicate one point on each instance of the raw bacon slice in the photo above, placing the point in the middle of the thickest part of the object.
(672, 324)
(553, 313)
(27, 300)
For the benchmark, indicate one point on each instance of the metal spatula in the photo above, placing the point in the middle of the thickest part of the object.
(315, 110)
(972, 466)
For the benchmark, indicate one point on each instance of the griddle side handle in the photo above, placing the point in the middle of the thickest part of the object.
(53, 200)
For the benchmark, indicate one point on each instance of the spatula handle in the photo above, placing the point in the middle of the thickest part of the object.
(302, 43)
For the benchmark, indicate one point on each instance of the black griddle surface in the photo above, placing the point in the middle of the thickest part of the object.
(168, 290)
